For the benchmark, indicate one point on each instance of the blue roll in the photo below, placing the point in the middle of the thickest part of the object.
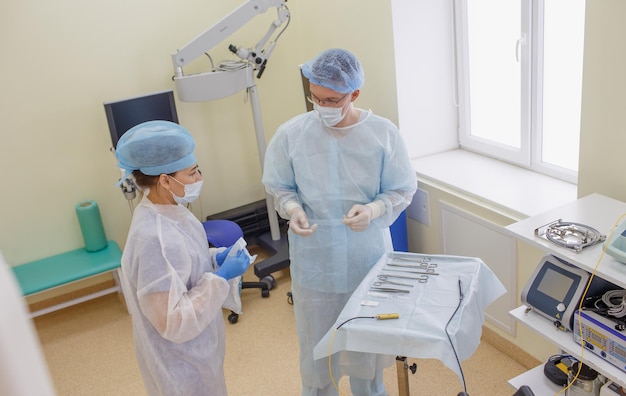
(91, 227)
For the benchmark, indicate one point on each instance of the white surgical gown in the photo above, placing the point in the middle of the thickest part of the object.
(327, 171)
(175, 301)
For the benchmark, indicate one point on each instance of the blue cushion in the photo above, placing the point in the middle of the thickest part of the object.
(222, 233)
(67, 267)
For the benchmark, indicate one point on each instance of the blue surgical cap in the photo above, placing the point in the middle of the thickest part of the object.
(154, 148)
(335, 69)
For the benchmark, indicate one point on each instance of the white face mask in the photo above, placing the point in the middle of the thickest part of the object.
(330, 116)
(192, 192)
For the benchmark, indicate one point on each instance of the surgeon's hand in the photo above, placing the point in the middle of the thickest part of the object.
(221, 256)
(234, 266)
(299, 223)
(359, 217)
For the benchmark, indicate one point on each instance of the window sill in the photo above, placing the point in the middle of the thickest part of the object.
(508, 189)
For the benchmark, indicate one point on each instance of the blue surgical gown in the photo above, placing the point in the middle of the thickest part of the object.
(327, 171)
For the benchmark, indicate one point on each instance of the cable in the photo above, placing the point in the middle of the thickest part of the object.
(330, 368)
(450, 339)
(332, 338)
(615, 309)
(330, 348)
(210, 60)
(580, 306)
(287, 24)
(231, 65)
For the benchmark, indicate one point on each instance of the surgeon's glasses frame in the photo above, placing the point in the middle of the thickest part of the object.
(325, 102)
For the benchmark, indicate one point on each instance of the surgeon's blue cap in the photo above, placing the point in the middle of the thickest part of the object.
(335, 69)
(154, 148)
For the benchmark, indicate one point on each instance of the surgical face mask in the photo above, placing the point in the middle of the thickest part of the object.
(192, 192)
(330, 116)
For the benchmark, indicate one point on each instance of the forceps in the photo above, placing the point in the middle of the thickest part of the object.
(409, 271)
(388, 290)
(423, 279)
(428, 268)
(384, 281)
(409, 257)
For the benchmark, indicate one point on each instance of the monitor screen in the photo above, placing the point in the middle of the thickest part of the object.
(125, 114)
(555, 285)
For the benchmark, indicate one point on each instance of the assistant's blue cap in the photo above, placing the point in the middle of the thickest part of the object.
(154, 148)
(335, 69)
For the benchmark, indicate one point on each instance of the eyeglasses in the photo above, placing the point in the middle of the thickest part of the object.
(325, 102)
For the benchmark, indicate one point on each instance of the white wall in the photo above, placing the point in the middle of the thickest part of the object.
(424, 56)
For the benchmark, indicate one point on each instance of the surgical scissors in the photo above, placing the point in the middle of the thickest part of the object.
(384, 281)
(423, 262)
(423, 279)
(409, 257)
(389, 290)
(429, 268)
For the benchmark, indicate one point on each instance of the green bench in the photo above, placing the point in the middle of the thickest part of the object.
(62, 269)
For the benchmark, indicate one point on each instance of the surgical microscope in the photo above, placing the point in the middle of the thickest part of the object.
(229, 78)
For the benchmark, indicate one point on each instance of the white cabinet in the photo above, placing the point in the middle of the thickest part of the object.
(596, 211)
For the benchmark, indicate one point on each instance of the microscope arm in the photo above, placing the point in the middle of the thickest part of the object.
(224, 28)
(218, 84)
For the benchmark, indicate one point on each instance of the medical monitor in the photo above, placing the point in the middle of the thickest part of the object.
(126, 113)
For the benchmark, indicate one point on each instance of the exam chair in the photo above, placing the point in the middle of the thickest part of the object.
(224, 233)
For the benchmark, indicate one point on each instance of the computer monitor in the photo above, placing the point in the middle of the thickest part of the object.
(126, 113)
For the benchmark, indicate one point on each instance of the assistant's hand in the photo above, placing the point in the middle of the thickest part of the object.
(221, 256)
(299, 223)
(234, 266)
(359, 217)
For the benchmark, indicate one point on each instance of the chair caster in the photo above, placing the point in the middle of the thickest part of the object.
(270, 282)
(233, 317)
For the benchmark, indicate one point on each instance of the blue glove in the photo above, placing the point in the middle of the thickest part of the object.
(220, 256)
(234, 266)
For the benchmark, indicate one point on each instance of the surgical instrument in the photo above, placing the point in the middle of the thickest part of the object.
(410, 271)
(387, 316)
(389, 290)
(417, 264)
(384, 277)
(423, 279)
(382, 282)
(416, 267)
(409, 257)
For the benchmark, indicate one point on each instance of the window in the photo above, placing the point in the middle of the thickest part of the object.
(519, 67)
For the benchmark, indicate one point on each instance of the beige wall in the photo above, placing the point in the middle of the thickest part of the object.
(603, 130)
(63, 59)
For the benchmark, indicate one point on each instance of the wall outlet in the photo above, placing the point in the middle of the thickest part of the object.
(419, 210)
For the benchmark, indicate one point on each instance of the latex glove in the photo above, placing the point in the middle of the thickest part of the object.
(359, 217)
(234, 266)
(220, 256)
(299, 223)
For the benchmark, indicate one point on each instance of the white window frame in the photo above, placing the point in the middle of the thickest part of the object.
(530, 52)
